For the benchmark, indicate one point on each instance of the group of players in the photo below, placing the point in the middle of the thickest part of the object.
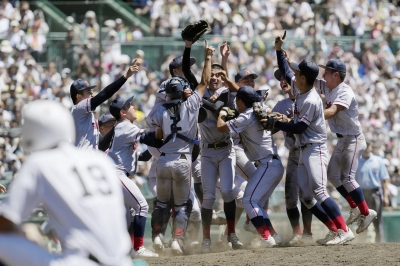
(198, 148)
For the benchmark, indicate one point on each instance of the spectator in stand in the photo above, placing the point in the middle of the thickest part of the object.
(4, 24)
(90, 24)
(120, 29)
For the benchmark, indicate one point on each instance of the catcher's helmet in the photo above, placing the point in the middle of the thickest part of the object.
(45, 124)
(175, 86)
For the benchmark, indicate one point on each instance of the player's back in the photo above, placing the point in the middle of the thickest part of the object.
(83, 198)
(86, 127)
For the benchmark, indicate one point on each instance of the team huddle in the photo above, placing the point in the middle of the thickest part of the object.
(205, 138)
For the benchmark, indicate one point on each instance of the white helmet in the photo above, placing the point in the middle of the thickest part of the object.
(45, 124)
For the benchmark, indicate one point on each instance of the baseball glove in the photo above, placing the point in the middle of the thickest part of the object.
(231, 114)
(261, 114)
(194, 31)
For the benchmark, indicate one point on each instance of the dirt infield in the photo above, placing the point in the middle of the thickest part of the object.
(350, 254)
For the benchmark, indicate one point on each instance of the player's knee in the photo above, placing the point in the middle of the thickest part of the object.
(208, 203)
(291, 203)
(227, 195)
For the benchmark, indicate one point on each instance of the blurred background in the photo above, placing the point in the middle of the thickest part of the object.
(45, 45)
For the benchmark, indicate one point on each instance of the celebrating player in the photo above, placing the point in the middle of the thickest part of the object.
(87, 132)
(78, 190)
(342, 115)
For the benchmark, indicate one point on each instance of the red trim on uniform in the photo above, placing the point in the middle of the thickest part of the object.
(243, 171)
(230, 126)
(352, 160)
(140, 206)
(190, 181)
(305, 119)
(322, 171)
(255, 212)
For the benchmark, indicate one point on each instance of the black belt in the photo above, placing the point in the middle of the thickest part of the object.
(182, 155)
(341, 136)
(218, 145)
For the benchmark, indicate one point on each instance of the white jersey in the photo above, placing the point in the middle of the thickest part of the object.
(346, 121)
(86, 126)
(257, 142)
(286, 107)
(161, 98)
(82, 195)
(308, 108)
(186, 125)
(123, 150)
(208, 128)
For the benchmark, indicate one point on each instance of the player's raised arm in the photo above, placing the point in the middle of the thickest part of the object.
(111, 89)
(232, 86)
(186, 65)
(206, 75)
(281, 57)
(225, 51)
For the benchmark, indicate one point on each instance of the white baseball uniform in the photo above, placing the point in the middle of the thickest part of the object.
(351, 143)
(86, 126)
(80, 192)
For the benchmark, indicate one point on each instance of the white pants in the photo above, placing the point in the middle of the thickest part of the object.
(261, 185)
(343, 164)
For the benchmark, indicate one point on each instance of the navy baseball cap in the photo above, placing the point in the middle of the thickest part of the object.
(104, 118)
(248, 94)
(335, 64)
(118, 104)
(278, 74)
(245, 73)
(216, 66)
(308, 67)
(177, 62)
(79, 85)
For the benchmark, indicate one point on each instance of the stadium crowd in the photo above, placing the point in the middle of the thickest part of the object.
(373, 70)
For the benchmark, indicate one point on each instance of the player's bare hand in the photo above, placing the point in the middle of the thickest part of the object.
(2, 189)
(209, 50)
(224, 49)
(222, 74)
(188, 44)
(132, 69)
(213, 98)
(279, 41)
(187, 93)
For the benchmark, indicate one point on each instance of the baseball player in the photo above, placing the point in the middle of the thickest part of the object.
(310, 131)
(106, 124)
(177, 125)
(87, 134)
(260, 148)
(291, 184)
(78, 190)
(123, 151)
(342, 115)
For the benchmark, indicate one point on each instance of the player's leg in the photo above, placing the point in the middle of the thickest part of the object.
(226, 168)
(353, 147)
(196, 174)
(134, 198)
(292, 195)
(209, 177)
(316, 168)
(193, 228)
(181, 185)
(152, 180)
(243, 167)
(162, 208)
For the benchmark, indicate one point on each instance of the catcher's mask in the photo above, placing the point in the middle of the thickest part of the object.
(175, 86)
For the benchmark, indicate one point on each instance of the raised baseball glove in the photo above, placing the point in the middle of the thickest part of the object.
(231, 114)
(261, 114)
(194, 31)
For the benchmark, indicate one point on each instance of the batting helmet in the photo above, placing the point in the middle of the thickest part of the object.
(175, 86)
(45, 124)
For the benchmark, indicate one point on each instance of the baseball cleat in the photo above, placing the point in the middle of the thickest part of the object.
(234, 240)
(217, 220)
(307, 238)
(158, 245)
(296, 240)
(330, 236)
(341, 237)
(143, 252)
(354, 215)
(277, 238)
(267, 243)
(176, 247)
(206, 246)
(249, 227)
(365, 221)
